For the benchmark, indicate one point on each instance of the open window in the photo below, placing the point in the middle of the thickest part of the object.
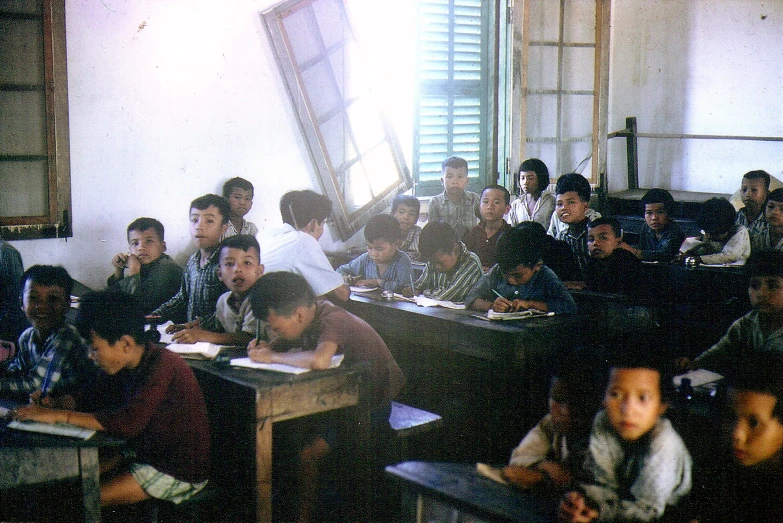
(35, 199)
(354, 150)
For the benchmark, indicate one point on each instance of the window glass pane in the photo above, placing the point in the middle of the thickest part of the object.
(365, 124)
(542, 68)
(380, 166)
(330, 21)
(319, 86)
(357, 190)
(28, 182)
(23, 122)
(21, 49)
(302, 35)
(577, 114)
(578, 72)
(339, 149)
(544, 21)
(350, 85)
(579, 22)
(542, 115)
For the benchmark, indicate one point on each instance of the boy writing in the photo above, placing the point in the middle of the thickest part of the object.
(51, 359)
(309, 332)
(294, 247)
(200, 286)
(761, 330)
(482, 239)
(534, 203)
(146, 271)
(233, 322)
(383, 265)
(723, 242)
(637, 464)
(163, 417)
(405, 209)
(239, 193)
(455, 206)
(569, 222)
(754, 192)
(661, 236)
(610, 269)
(451, 269)
(520, 280)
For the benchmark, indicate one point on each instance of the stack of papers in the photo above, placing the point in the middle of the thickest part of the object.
(56, 429)
(423, 301)
(196, 351)
(337, 359)
(518, 315)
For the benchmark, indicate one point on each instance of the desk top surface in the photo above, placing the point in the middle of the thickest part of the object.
(10, 438)
(459, 485)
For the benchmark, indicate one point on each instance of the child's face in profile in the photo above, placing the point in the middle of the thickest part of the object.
(406, 216)
(146, 245)
(445, 261)
(108, 356)
(455, 179)
(206, 227)
(754, 193)
(493, 205)
(520, 275)
(601, 241)
(633, 401)
(528, 182)
(756, 436)
(656, 216)
(240, 201)
(774, 214)
(239, 269)
(570, 207)
(382, 251)
(45, 305)
(766, 294)
(287, 327)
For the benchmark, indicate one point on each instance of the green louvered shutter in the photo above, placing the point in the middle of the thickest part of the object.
(453, 110)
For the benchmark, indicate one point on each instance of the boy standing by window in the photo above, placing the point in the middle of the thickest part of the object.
(146, 271)
(455, 206)
(483, 238)
(201, 286)
(239, 193)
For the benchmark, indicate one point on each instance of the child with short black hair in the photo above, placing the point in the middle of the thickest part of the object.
(406, 209)
(761, 330)
(611, 268)
(12, 319)
(771, 238)
(146, 272)
(233, 322)
(572, 214)
(239, 193)
(201, 286)
(455, 206)
(534, 203)
(294, 246)
(754, 192)
(520, 280)
(451, 268)
(51, 359)
(637, 465)
(482, 239)
(163, 417)
(383, 265)
(661, 236)
(722, 242)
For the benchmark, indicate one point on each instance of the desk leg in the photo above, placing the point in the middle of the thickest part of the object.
(91, 488)
(263, 458)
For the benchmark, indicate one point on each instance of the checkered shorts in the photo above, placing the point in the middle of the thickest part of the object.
(162, 486)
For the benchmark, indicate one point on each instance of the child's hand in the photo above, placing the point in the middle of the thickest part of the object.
(189, 335)
(574, 509)
(259, 351)
(35, 413)
(118, 262)
(408, 292)
(522, 477)
(556, 472)
(501, 305)
(133, 264)
(367, 283)
(176, 327)
(519, 305)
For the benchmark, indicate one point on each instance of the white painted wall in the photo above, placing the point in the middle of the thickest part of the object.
(697, 67)
(168, 99)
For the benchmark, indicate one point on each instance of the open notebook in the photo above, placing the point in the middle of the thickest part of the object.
(518, 315)
(200, 350)
(337, 359)
(54, 429)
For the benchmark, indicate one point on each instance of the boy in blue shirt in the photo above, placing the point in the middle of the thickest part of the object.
(455, 206)
(661, 236)
(201, 286)
(383, 265)
(520, 280)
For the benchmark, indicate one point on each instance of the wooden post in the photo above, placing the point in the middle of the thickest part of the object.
(632, 152)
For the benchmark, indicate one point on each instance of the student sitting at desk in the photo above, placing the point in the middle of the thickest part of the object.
(146, 271)
(239, 194)
(723, 242)
(451, 268)
(406, 209)
(163, 417)
(200, 286)
(637, 465)
(534, 203)
(754, 192)
(12, 319)
(309, 333)
(661, 236)
(520, 280)
(758, 332)
(384, 265)
(611, 268)
(51, 358)
(483, 238)
(233, 322)
(294, 247)
(771, 237)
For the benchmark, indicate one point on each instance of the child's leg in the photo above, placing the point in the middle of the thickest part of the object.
(122, 489)
(309, 463)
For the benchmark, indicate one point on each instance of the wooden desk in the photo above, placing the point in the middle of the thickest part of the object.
(245, 404)
(29, 458)
(489, 380)
(460, 486)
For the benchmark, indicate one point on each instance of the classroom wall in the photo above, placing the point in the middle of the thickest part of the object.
(696, 67)
(167, 100)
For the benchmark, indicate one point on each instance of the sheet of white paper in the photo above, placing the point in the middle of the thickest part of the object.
(337, 359)
(698, 377)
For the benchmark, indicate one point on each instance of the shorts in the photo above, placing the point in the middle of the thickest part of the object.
(162, 486)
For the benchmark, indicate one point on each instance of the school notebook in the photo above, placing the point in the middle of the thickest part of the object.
(517, 315)
(196, 351)
(337, 359)
(54, 429)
